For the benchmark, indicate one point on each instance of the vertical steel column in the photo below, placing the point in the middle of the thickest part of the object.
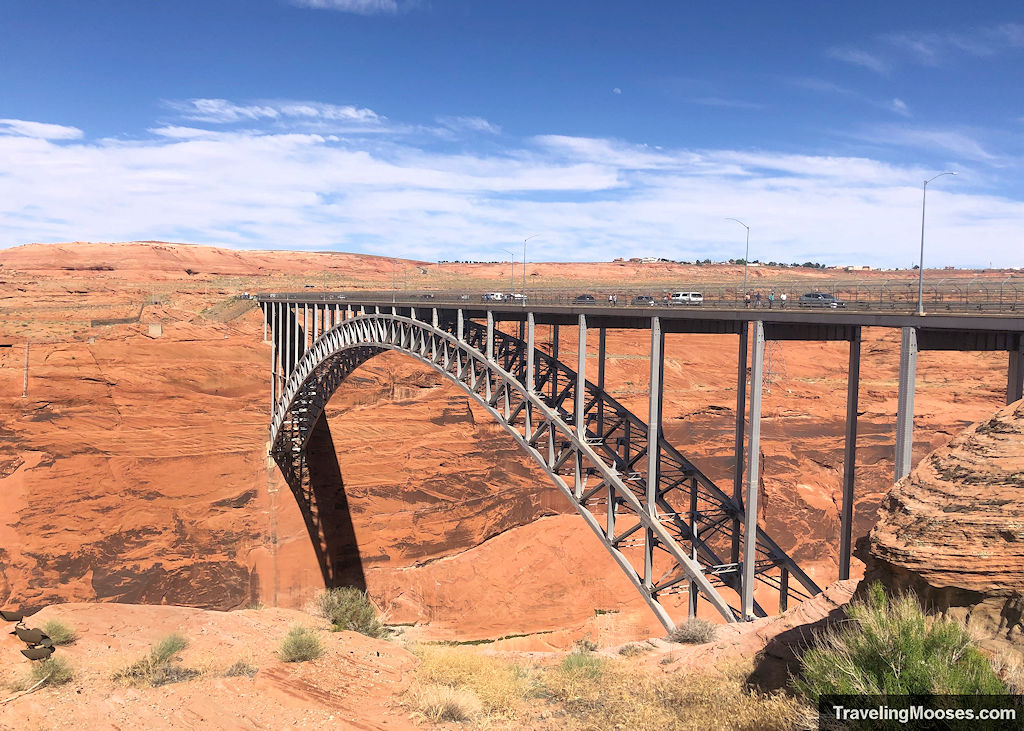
(753, 458)
(460, 327)
(905, 403)
(601, 343)
(1015, 373)
(654, 402)
(579, 418)
(490, 336)
(266, 317)
(290, 338)
(315, 324)
(741, 415)
(433, 317)
(531, 376)
(849, 457)
(269, 312)
(554, 369)
(295, 353)
(305, 327)
(693, 544)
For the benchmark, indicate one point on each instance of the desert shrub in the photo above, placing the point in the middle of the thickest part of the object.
(300, 644)
(444, 703)
(582, 664)
(160, 666)
(632, 650)
(241, 667)
(889, 646)
(349, 608)
(60, 633)
(585, 644)
(694, 631)
(56, 671)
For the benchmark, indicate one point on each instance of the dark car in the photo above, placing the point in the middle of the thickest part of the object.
(644, 299)
(820, 299)
(426, 296)
(583, 299)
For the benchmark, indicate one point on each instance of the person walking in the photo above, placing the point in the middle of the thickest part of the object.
(782, 297)
(615, 299)
(771, 299)
(757, 299)
(746, 300)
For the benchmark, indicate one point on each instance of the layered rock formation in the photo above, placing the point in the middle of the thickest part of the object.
(953, 531)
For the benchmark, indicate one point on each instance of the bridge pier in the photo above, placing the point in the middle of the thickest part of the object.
(1015, 373)
(905, 403)
(849, 456)
(753, 462)
(741, 418)
(654, 431)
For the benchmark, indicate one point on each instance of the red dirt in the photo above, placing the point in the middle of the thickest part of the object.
(135, 469)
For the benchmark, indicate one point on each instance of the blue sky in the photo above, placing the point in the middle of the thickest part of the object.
(456, 128)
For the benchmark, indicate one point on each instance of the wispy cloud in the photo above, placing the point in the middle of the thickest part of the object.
(960, 144)
(827, 87)
(718, 101)
(359, 7)
(861, 58)
(258, 185)
(471, 124)
(39, 130)
(222, 111)
(900, 107)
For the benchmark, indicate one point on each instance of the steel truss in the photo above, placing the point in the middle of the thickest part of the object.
(682, 534)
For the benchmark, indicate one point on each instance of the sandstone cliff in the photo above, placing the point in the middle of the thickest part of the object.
(953, 531)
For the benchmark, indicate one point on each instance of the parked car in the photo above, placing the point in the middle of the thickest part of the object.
(820, 299)
(494, 297)
(427, 296)
(583, 299)
(644, 299)
(517, 297)
(686, 298)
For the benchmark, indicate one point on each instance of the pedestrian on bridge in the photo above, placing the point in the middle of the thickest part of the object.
(771, 299)
(746, 300)
(782, 297)
(757, 299)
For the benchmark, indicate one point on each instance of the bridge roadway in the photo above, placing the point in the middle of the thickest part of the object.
(300, 321)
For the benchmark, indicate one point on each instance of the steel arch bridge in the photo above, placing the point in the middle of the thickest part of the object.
(669, 528)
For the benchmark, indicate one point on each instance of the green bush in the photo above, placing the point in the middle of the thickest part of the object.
(694, 631)
(348, 608)
(60, 633)
(889, 646)
(300, 644)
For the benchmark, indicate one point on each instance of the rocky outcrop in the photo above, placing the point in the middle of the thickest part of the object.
(953, 531)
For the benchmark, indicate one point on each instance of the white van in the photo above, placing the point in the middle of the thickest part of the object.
(686, 298)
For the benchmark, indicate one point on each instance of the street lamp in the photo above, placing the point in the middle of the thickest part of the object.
(746, 255)
(920, 266)
(524, 264)
(512, 275)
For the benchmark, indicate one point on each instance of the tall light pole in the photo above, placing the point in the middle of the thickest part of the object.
(920, 266)
(524, 264)
(512, 275)
(746, 254)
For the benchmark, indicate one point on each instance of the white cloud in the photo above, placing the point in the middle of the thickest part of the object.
(616, 90)
(472, 124)
(39, 130)
(900, 107)
(592, 198)
(717, 101)
(360, 7)
(933, 48)
(222, 111)
(860, 58)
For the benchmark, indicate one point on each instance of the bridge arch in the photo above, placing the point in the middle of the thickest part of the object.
(670, 531)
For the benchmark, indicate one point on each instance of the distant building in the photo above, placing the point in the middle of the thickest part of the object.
(857, 268)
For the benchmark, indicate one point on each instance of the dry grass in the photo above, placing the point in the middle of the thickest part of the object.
(160, 667)
(56, 671)
(588, 691)
(60, 633)
(694, 631)
(444, 703)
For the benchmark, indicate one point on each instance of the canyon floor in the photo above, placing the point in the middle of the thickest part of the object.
(133, 470)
